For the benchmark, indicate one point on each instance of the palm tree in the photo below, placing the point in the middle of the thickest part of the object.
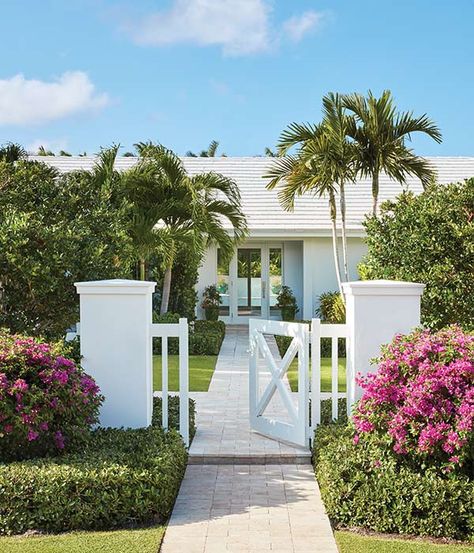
(42, 151)
(380, 132)
(64, 153)
(171, 207)
(210, 152)
(323, 164)
(269, 152)
(11, 152)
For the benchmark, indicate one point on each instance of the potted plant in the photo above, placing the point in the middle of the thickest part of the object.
(211, 301)
(286, 302)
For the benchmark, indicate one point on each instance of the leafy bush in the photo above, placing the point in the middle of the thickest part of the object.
(420, 402)
(120, 478)
(54, 230)
(205, 337)
(47, 402)
(365, 487)
(173, 414)
(428, 238)
(331, 308)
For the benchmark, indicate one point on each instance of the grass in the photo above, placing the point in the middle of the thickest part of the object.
(355, 543)
(143, 540)
(325, 375)
(201, 368)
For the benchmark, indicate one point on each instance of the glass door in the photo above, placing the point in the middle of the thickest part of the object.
(249, 282)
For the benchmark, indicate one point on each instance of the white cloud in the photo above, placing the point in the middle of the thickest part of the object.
(299, 25)
(29, 101)
(240, 27)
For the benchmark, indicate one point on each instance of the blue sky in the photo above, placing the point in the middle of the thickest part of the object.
(82, 74)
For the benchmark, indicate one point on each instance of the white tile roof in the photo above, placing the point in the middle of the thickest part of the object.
(310, 217)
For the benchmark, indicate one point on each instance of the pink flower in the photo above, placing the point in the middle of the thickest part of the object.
(32, 435)
(356, 439)
(59, 439)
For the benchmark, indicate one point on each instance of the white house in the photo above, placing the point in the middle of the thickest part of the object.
(293, 249)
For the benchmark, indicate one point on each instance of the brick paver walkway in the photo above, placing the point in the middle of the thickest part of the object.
(244, 492)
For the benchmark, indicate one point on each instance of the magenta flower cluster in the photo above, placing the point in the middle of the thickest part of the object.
(422, 397)
(47, 402)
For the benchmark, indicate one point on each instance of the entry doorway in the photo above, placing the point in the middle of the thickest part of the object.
(250, 283)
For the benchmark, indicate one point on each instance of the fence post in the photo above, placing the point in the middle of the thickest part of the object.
(184, 381)
(376, 310)
(116, 348)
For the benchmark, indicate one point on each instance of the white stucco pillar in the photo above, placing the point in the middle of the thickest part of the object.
(377, 310)
(117, 349)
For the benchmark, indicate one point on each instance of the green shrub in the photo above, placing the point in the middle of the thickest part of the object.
(173, 414)
(365, 487)
(283, 343)
(205, 337)
(331, 308)
(428, 238)
(120, 478)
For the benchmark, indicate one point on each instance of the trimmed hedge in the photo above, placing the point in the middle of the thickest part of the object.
(365, 487)
(205, 337)
(173, 414)
(120, 478)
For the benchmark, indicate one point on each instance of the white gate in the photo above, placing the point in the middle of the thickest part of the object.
(291, 423)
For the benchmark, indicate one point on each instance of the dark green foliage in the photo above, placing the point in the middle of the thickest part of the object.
(205, 337)
(363, 486)
(173, 414)
(183, 296)
(54, 231)
(283, 343)
(120, 478)
(331, 308)
(430, 239)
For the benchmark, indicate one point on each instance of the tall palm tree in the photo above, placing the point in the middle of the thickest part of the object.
(42, 151)
(171, 207)
(324, 162)
(380, 132)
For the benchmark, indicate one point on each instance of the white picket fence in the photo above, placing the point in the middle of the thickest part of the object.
(165, 331)
(175, 330)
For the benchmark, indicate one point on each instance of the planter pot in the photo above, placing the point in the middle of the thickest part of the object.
(288, 313)
(212, 313)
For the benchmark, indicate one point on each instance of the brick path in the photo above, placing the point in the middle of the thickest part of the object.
(242, 491)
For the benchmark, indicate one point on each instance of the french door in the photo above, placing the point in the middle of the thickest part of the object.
(250, 283)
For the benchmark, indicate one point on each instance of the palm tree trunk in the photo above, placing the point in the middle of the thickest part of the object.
(335, 248)
(142, 268)
(375, 192)
(165, 296)
(343, 230)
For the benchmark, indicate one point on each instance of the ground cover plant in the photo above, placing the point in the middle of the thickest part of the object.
(404, 463)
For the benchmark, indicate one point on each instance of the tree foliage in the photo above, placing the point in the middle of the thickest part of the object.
(430, 239)
(55, 230)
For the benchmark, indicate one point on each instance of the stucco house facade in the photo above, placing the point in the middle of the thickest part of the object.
(283, 248)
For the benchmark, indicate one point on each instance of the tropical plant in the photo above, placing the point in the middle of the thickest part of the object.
(209, 152)
(64, 153)
(286, 301)
(211, 300)
(169, 207)
(323, 163)
(331, 308)
(270, 153)
(11, 152)
(380, 133)
(42, 151)
(428, 238)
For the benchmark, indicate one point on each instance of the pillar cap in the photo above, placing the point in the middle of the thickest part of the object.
(382, 288)
(116, 286)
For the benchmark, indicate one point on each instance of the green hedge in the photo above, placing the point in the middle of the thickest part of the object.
(173, 414)
(120, 478)
(283, 343)
(365, 487)
(205, 337)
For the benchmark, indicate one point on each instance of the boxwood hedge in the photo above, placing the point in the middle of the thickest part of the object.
(120, 478)
(365, 487)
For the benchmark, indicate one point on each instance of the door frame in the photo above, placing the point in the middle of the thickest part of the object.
(234, 317)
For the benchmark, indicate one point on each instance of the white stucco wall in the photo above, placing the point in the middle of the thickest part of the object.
(293, 270)
(319, 274)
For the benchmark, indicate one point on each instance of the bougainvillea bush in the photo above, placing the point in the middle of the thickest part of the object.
(420, 402)
(47, 402)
